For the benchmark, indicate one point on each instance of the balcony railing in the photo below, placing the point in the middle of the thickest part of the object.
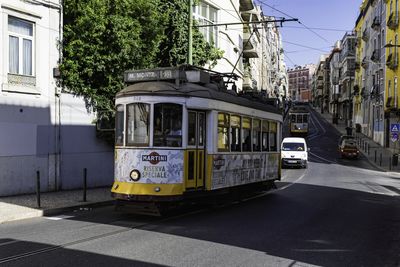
(391, 102)
(391, 61)
(375, 55)
(364, 63)
(376, 23)
(393, 20)
(358, 40)
(365, 35)
(357, 64)
(375, 92)
(249, 46)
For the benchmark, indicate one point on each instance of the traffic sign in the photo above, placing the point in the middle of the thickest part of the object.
(394, 137)
(394, 127)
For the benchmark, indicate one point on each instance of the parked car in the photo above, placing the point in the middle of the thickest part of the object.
(348, 148)
(294, 152)
(345, 137)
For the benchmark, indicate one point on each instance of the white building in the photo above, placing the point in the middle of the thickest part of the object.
(252, 50)
(42, 129)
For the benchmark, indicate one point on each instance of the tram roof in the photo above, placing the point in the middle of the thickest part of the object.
(179, 86)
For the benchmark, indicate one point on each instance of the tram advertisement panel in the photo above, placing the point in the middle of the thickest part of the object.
(155, 166)
(232, 170)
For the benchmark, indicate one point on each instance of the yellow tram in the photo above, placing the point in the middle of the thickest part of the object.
(299, 121)
(180, 134)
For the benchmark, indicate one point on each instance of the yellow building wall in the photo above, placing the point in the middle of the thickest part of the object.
(391, 75)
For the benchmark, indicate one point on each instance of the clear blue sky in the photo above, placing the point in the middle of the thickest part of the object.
(338, 15)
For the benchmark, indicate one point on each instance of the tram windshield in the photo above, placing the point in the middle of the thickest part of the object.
(167, 125)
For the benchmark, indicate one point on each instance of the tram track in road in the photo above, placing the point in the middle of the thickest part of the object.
(134, 226)
(51, 248)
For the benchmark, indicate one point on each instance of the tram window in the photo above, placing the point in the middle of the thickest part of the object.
(167, 125)
(299, 118)
(235, 133)
(305, 118)
(192, 129)
(119, 126)
(223, 129)
(202, 130)
(272, 136)
(246, 137)
(138, 124)
(265, 136)
(293, 118)
(256, 134)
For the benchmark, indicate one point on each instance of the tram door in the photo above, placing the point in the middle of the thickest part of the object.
(195, 172)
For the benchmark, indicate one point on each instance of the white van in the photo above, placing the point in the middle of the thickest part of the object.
(294, 152)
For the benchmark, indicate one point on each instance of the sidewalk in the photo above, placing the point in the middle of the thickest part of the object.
(25, 206)
(377, 155)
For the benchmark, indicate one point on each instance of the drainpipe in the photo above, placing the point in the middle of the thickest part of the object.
(58, 106)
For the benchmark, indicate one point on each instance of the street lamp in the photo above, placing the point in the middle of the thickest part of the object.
(391, 45)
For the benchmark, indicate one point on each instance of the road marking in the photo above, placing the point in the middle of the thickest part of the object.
(292, 183)
(9, 242)
(327, 160)
(60, 217)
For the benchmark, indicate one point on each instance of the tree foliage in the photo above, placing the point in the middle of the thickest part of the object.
(104, 38)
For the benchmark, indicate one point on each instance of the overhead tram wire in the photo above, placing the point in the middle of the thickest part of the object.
(245, 23)
(309, 47)
(263, 3)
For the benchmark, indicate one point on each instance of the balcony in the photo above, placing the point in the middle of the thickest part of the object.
(356, 90)
(245, 5)
(365, 35)
(364, 63)
(376, 23)
(375, 55)
(320, 84)
(375, 92)
(249, 46)
(393, 20)
(391, 103)
(251, 15)
(358, 39)
(357, 65)
(391, 61)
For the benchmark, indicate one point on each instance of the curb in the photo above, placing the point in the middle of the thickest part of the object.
(55, 211)
(35, 213)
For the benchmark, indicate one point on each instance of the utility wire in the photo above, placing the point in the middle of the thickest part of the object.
(263, 3)
(309, 47)
(319, 29)
(294, 64)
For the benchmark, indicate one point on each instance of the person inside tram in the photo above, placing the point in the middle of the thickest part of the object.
(175, 135)
(176, 129)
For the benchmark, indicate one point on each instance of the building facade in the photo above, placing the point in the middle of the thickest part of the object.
(43, 130)
(300, 82)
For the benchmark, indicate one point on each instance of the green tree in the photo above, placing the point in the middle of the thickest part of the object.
(104, 38)
(174, 45)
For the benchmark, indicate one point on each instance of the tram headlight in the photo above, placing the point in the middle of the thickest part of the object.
(135, 175)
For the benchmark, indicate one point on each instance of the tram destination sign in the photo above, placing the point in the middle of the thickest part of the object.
(151, 75)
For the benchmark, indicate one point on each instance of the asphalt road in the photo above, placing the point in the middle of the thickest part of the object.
(337, 212)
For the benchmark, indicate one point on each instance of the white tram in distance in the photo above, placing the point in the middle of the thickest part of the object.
(180, 134)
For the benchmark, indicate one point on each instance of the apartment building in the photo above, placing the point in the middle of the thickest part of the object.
(300, 79)
(346, 78)
(43, 130)
(391, 96)
(318, 83)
